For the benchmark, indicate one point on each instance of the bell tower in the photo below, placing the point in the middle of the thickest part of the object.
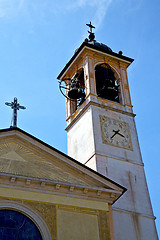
(101, 131)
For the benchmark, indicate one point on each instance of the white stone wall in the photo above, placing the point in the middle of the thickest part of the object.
(80, 138)
(132, 215)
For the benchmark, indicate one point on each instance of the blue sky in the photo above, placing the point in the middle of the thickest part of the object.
(37, 38)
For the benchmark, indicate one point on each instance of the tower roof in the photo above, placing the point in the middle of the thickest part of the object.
(100, 47)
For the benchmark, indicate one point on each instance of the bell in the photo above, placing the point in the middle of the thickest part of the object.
(76, 91)
(109, 90)
(105, 81)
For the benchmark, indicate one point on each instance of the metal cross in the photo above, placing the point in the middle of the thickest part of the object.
(90, 26)
(91, 34)
(15, 106)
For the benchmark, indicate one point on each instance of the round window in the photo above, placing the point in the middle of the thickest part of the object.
(16, 226)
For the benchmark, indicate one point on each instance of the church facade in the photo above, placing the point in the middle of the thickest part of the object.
(46, 195)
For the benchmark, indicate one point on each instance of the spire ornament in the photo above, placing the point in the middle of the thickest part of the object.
(15, 106)
(91, 34)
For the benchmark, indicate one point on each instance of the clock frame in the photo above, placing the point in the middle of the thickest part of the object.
(115, 132)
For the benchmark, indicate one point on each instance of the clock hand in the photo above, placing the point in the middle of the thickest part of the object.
(115, 132)
(120, 134)
(113, 135)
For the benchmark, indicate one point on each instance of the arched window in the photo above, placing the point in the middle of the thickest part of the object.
(16, 226)
(77, 89)
(106, 82)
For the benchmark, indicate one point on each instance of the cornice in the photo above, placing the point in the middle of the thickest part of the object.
(79, 112)
(133, 212)
(115, 157)
(58, 188)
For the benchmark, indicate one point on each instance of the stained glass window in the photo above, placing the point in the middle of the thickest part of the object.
(16, 226)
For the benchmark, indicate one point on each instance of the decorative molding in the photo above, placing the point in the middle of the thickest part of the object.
(115, 158)
(58, 186)
(71, 188)
(81, 110)
(85, 190)
(104, 230)
(28, 182)
(43, 184)
(51, 187)
(131, 212)
(98, 193)
(78, 210)
(12, 179)
(113, 195)
(48, 213)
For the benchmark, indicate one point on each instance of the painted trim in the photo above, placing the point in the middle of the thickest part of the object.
(131, 212)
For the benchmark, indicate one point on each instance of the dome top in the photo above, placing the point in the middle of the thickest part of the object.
(91, 40)
(100, 45)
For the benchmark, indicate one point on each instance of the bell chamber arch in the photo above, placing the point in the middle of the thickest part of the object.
(107, 82)
(77, 87)
(76, 93)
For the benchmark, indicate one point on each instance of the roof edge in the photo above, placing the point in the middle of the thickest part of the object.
(85, 44)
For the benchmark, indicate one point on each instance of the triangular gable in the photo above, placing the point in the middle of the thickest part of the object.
(22, 155)
(16, 159)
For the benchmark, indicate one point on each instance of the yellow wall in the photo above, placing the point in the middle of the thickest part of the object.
(77, 226)
(67, 218)
(52, 198)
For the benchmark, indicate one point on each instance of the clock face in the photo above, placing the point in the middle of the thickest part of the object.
(115, 132)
